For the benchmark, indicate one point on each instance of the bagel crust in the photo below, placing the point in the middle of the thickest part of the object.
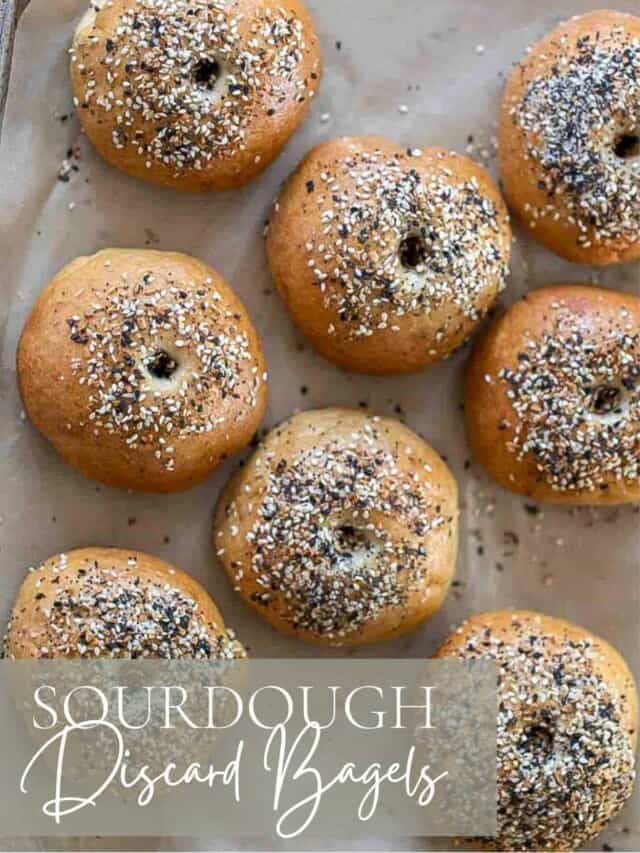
(552, 396)
(104, 602)
(142, 369)
(194, 94)
(387, 258)
(566, 727)
(569, 139)
(341, 529)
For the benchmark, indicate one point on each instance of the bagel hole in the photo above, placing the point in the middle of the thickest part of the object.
(537, 740)
(413, 251)
(162, 365)
(350, 539)
(627, 146)
(353, 544)
(206, 72)
(606, 399)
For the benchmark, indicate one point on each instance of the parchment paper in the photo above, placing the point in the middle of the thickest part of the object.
(424, 73)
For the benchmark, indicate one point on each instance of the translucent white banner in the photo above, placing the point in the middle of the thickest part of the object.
(290, 752)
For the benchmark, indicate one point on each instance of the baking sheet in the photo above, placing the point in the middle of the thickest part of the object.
(423, 73)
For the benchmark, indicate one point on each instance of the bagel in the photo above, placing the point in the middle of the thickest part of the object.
(193, 94)
(569, 139)
(566, 727)
(388, 258)
(341, 529)
(105, 602)
(552, 396)
(142, 369)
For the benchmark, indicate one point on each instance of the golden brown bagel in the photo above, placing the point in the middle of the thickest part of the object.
(569, 139)
(566, 729)
(142, 368)
(104, 602)
(341, 529)
(552, 396)
(194, 94)
(387, 258)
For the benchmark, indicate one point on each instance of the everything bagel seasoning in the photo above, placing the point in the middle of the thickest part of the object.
(185, 78)
(580, 119)
(341, 531)
(576, 404)
(159, 360)
(565, 756)
(396, 242)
